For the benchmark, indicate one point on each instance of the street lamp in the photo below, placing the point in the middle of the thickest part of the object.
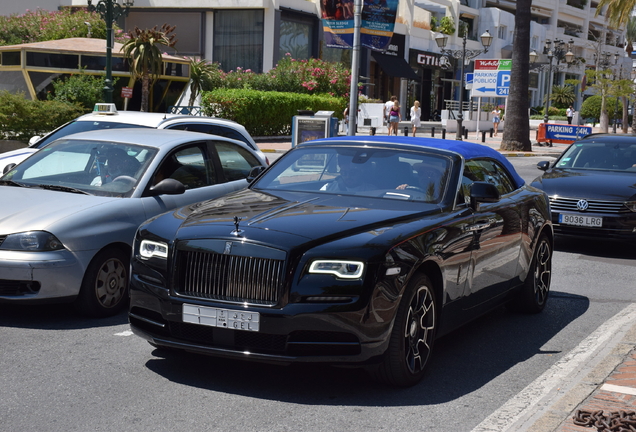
(110, 11)
(465, 56)
(558, 51)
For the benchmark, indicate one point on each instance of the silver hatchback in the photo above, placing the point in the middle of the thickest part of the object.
(70, 211)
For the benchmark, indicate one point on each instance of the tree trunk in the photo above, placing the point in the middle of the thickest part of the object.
(517, 129)
(625, 124)
(145, 92)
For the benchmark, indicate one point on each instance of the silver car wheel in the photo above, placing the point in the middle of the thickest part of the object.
(111, 282)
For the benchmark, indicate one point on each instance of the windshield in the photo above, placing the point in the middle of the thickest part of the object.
(600, 156)
(93, 167)
(381, 173)
(81, 126)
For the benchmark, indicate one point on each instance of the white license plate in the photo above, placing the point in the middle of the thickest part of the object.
(226, 318)
(578, 220)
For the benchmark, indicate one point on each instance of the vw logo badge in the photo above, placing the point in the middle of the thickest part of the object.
(582, 205)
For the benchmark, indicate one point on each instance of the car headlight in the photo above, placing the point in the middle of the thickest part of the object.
(631, 205)
(341, 269)
(153, 249)
(32, 241)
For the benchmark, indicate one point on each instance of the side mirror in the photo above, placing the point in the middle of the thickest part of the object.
(34, 139)
(483, 192)
(8, 168)
(255, 172)
(167, 186)
(543, 165)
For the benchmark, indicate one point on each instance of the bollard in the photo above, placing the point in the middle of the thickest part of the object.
(491, 132)
(372, 130)
(443, 133)
(483, 136)
(432, 132)
(406, 131)
(465, 133)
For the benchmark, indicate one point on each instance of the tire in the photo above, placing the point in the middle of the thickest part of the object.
(534, 294)
(104, 290)
(412, 336)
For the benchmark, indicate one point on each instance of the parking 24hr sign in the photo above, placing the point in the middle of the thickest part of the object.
(491, 78)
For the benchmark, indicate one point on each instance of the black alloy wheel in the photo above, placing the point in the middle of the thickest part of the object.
(534, 294)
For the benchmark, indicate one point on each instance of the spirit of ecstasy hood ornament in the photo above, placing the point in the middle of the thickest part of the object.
(237, 232)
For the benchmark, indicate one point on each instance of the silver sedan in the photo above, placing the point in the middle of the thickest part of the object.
(70, 211)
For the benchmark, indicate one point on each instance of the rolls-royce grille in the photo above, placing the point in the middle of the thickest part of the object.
(593, 206)
(229, 278)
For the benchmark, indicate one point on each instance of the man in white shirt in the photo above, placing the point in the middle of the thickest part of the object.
(387, 108)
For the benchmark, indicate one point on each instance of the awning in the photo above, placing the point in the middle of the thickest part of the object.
(431, 6)
(506, 52)
(394, 66)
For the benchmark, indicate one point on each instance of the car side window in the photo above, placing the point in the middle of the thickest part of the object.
(236, 161)
(188, 165)
(213, 129)
(486, 170)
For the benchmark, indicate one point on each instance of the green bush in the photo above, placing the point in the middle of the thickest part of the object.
(82, 89)
(591, 107)
(265, 113)
(22, 118)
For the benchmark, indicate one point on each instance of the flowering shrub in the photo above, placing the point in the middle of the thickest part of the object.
(41, 25)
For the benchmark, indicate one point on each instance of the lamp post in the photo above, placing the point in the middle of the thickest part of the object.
(558, 52)
(465, 55)
(110, 11)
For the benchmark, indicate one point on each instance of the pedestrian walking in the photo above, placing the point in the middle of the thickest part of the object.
(416, 113)
(569, 113)
(496, 118)
(345, 117)
(394, 118)
(387, 109)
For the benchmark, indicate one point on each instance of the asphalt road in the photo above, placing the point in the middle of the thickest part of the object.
(61, 372)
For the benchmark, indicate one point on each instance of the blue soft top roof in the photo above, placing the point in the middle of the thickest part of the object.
(467, 149)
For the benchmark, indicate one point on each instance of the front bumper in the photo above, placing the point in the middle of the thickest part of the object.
(615, 227)
(295, 333)
(39, 276)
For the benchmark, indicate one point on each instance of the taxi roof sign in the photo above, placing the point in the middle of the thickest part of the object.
(105, 108)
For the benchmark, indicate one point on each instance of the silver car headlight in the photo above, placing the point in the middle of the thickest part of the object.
(631, 205)
(31, 241)
(339, 268)
(153, 249)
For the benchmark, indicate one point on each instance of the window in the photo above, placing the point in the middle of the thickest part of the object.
(189, 166)
(486, 170)
(502, 32)
(296, 37)
(235, 160)
(213, 129)
(238, 39)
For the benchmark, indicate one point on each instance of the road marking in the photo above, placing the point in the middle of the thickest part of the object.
(124, 333)
(619, 389)
(526, 402)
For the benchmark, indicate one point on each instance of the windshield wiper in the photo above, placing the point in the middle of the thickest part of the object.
(63, 189)
(12, 183)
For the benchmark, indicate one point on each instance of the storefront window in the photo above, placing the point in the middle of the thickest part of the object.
(238, 39)
(295, 38)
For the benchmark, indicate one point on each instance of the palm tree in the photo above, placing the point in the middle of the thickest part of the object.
(516, 134)
(618, 13)
(145, 57)
(562, 96)
(202, 74)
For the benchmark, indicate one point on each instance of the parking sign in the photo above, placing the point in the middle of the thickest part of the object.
(491, 78)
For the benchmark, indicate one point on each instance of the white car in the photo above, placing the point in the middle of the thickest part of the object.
(106, 116)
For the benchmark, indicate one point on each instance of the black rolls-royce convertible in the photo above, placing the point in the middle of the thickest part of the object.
(356, 250)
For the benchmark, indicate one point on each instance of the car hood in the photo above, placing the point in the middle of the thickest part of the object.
(311, 216)
(38, 209)
(601, 185)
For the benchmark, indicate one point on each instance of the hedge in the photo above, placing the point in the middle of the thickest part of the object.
(22, 118)
(265, 113)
